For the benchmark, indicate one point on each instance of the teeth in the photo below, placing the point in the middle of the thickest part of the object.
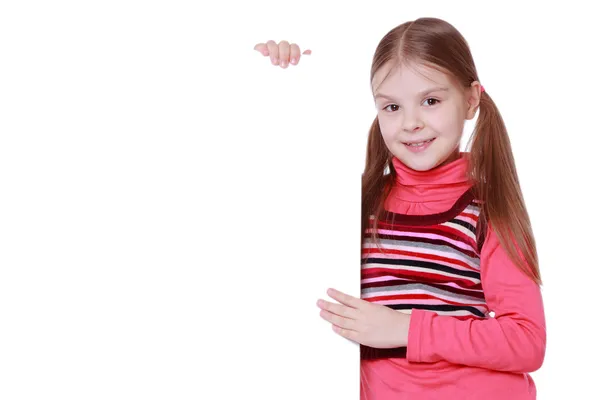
(419, 144)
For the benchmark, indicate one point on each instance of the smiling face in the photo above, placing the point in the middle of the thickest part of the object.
(422, 113)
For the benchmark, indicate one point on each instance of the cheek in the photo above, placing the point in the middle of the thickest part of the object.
(389, 138)
(387, 135)
(449, 125)
(387, 131)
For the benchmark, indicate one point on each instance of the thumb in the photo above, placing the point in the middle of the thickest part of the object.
(262, 48)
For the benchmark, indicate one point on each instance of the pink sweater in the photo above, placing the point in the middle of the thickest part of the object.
(456, 358)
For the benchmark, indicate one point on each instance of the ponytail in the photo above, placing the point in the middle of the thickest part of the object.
(496, 185)
(375, 185)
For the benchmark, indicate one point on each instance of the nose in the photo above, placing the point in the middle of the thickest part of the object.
(412, 122)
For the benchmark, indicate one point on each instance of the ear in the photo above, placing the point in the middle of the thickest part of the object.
(473, 97)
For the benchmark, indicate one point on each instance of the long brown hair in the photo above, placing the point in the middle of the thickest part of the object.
(492, 170)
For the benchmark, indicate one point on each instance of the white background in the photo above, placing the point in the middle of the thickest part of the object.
(172, 205)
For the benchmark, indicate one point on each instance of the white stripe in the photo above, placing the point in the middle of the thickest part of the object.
(460, 228)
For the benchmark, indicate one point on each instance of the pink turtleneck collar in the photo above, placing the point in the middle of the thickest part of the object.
(428, 192)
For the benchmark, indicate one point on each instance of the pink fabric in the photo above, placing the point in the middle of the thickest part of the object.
(453, 358)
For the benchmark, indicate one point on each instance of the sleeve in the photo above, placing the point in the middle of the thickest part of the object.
(514, 340)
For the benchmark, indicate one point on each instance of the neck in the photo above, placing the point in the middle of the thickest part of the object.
(448, 180)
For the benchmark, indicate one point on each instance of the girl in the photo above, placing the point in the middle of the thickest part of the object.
(450, 306)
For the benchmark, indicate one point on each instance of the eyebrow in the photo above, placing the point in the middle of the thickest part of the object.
(421, 93)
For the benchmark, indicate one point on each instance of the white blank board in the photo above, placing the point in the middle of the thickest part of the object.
(172, 206)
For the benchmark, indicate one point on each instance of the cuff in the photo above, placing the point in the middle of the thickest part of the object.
(418, 320)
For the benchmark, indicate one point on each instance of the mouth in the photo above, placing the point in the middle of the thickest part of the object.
(418, 146)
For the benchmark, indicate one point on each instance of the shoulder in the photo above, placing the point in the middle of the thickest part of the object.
(476, 209)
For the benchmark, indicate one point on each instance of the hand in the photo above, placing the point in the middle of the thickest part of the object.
(281, 54)
(369, 324)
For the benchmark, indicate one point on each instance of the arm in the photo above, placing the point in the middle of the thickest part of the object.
(514, 340)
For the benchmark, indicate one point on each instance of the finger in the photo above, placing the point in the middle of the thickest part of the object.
(338, 309)
(345, 298)
(273, 51)
(336, 320)
(294, 53)
(262, 48)
(307, 52)
(347, 333)
(284, 53)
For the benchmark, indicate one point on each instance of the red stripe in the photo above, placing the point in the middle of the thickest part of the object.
(474, 217)
(417, 275)
(420, 297)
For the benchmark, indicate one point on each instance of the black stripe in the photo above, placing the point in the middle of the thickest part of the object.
(441, 307)
(422, 264)
(371, 353)
(467, 225)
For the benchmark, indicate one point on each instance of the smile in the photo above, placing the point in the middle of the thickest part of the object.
(420, 146)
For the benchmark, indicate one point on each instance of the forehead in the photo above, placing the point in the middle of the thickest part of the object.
(409, 77)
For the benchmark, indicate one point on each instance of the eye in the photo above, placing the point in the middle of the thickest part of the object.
(391, 105)
(430, 100)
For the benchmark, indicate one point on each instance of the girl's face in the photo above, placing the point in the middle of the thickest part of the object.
(422, 113)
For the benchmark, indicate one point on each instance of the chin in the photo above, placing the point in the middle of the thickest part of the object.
(421, 162)
(420, 165)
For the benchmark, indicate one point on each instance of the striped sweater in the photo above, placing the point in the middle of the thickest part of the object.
(425, 262)
(477, 323)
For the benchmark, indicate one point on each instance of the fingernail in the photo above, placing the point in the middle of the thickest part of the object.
(284, 63)
(274, 61)
(293, 61)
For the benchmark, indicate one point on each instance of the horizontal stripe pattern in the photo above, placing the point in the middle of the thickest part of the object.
(433, 267)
